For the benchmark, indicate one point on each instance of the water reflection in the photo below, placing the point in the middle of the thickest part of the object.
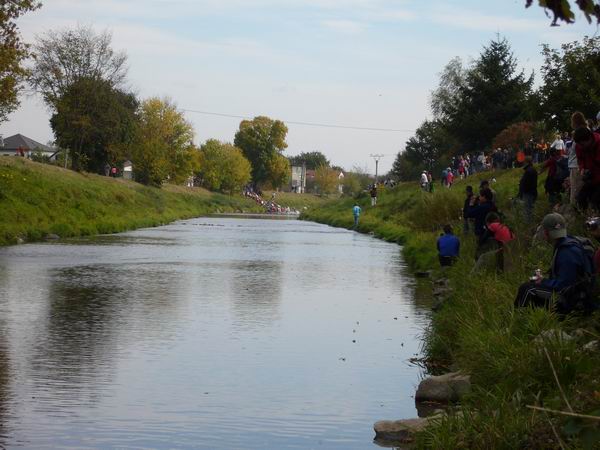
(4, 388)
(212, 334)
(255, 291)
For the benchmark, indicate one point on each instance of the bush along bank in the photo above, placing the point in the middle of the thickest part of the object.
(535, 379)
(37, 201)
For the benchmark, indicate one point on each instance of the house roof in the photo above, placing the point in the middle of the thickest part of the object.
(19, 141)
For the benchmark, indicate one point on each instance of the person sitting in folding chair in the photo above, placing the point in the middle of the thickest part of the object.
(571, 282)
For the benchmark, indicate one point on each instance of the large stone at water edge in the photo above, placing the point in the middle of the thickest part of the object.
(398, 431)
(449, 387)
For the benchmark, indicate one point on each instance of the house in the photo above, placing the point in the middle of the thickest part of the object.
(298, 179)
(19, 145)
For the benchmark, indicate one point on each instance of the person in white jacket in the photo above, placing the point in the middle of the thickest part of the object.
(424, 180)
(558, 144)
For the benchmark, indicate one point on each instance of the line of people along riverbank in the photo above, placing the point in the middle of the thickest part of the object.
(270, 206)
(572, 186)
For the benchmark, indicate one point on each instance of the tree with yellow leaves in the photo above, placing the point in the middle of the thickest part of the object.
(163, 149)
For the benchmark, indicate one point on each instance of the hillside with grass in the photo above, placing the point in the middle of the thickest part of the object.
(517, 359)
(37, 200)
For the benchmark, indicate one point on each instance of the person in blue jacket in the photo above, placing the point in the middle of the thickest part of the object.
(448, 246)
(356, 212)
(571, 276)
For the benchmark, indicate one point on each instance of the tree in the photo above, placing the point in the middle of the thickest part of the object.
(518, 134)
(429, 148)
(163, 148)
(223, 167)
(571, 78)
(311, 159)
(493, 96)
(448, 93)
(562, 11)
(351, 184)
(278, 171)
(95, 122)
(66, 56)
(12, 54)
(405, 170)
(260, 140)
(326, 180)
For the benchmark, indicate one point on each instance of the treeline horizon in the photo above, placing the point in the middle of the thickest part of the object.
(476, 107)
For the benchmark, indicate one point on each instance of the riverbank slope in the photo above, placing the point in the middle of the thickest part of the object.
(37, 200)
(517, 359)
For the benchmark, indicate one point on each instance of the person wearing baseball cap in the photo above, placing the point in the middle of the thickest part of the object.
(571, 277)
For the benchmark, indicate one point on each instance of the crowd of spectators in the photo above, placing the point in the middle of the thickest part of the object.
(271, 207)
(571, 164)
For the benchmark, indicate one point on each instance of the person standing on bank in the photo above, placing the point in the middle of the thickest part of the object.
(588, 157)
(528, 188)
(466, 221)
(356, 213)
(374, 195)
(448, 246)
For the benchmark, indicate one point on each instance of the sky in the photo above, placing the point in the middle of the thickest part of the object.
(349, 63)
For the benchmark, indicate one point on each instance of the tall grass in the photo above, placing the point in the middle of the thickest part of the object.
(478, 331)
(37, 199)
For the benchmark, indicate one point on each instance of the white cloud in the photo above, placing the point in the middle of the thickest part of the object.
(476, 21)
(344, 26)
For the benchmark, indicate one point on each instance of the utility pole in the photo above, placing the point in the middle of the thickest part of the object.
(376, 158)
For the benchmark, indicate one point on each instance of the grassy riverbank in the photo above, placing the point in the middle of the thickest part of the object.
(37, 200)
(478, 331)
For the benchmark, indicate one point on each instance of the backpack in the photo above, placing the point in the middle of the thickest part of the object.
(562, 170)
(584, 289)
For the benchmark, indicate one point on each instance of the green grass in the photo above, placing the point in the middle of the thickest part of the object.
(37, 199)
(478, 330)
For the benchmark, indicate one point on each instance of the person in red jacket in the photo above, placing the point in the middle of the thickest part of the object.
(588, 158)
(501, 232)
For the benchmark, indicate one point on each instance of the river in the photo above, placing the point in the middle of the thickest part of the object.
(212, 333)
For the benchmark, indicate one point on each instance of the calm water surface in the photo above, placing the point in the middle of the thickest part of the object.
(214, 333)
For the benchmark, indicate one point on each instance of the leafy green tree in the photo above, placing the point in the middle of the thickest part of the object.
(562, 11)
(239, 173)
(430, 148)
(571, 78)
(95, 122)
(351, 184)
(493, 96)
(223, 167)
(311, 159)
(405, 170)
(12, 54)
(446, 96)
(260, 140)
(163, 149)
(278, 171)
(326, 180)
(63, 57)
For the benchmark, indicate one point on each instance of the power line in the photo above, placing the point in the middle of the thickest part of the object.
(308, 124)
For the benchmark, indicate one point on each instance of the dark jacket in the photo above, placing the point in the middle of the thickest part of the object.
(479, 213)
(528, 183)
(466, 205)
(569, 264)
